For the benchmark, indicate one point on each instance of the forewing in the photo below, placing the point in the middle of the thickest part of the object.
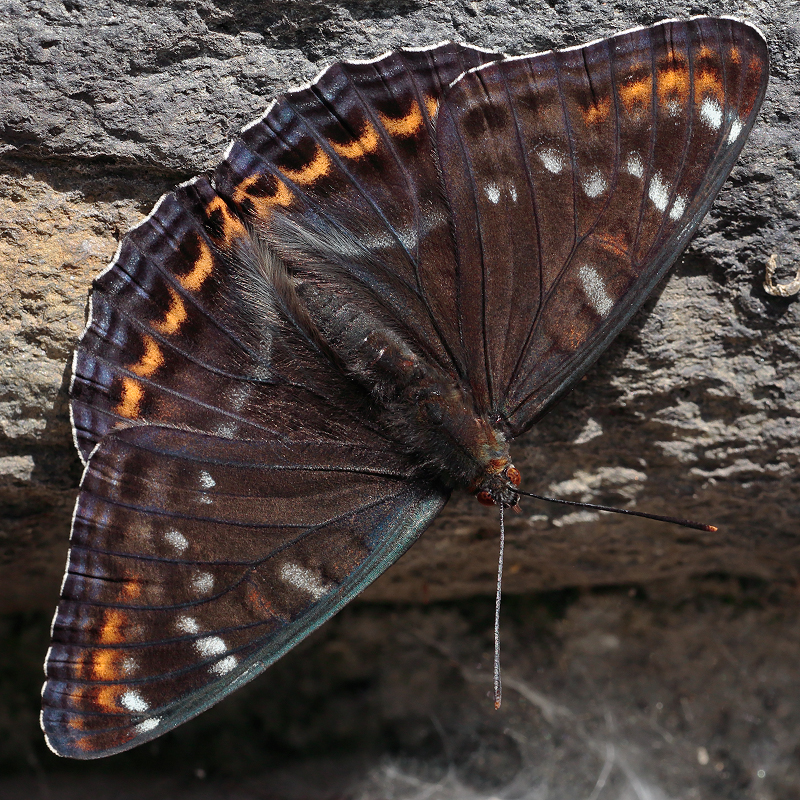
(177, 335)
(575, 179)
(349, 160)
(196, 561)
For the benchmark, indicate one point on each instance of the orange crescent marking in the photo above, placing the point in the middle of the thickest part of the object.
(673, 82)
(231, 226)
(366, 143)
(750, 89)
(577, 333)
(203, 267)
(131, 589)
(734, 55)
(318, 167)
(111, 630)
(79, 664)
(707, 76)
(707, 83)
(175, 316)
(407, 125)
(282, 197)
(132, 394)
(637, 93)
(259, 603)
(242, 190)
(152, 359)
(618, 244)
(107, 696)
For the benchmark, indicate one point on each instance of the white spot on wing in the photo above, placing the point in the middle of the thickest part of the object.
(210, 646)
(129, 665)
(736, 129)
(206, 481)
(177, 540)
(187, 624)
(678, 207)
(492, 193)
(595, 290)
(658, 192)
(595, 184)
(224, 666)
(133, 701)
(512, 190)
(711, 113)
(148, 725)
(408, 236)
(238, 395)
(203, 582)
(634, 166)
(303, 579)
(552, 160)
(226, 429)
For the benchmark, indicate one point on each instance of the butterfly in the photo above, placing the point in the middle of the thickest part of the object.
(289, 367)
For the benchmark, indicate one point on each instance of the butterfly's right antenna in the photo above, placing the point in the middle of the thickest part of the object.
(685, 523)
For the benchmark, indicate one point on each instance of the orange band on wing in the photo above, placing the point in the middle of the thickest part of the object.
(406, 125)
(175, 315)
(132, 394)
(203, 267)
(366, 143)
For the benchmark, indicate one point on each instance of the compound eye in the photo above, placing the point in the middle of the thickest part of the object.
(514, 477)
(484, 498)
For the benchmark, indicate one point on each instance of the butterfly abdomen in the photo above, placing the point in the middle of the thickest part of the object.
(424, 410)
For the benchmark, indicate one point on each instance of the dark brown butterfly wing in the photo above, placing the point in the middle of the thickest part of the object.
(174, 337)
(203, 550)
(196, 561)
(351, 160)
(575, 179)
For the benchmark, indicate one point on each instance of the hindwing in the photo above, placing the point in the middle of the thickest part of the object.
(196, 561)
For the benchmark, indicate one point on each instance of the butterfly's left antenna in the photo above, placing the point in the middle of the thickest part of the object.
(498, 688)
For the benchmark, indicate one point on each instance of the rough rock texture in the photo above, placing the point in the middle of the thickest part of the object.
(684, 691)
(694, 410)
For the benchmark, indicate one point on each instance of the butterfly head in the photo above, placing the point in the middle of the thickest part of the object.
(500, 488)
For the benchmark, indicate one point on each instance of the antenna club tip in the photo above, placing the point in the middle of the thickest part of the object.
(712, 528)
(497, 703)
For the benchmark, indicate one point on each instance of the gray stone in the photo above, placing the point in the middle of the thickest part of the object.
(694, 410)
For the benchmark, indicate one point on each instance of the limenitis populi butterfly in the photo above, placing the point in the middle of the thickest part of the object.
(290, 366)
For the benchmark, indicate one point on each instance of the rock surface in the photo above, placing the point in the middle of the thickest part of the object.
(694, 410)
(683, 690)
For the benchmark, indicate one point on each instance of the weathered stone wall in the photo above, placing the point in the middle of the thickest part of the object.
(695, 409)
